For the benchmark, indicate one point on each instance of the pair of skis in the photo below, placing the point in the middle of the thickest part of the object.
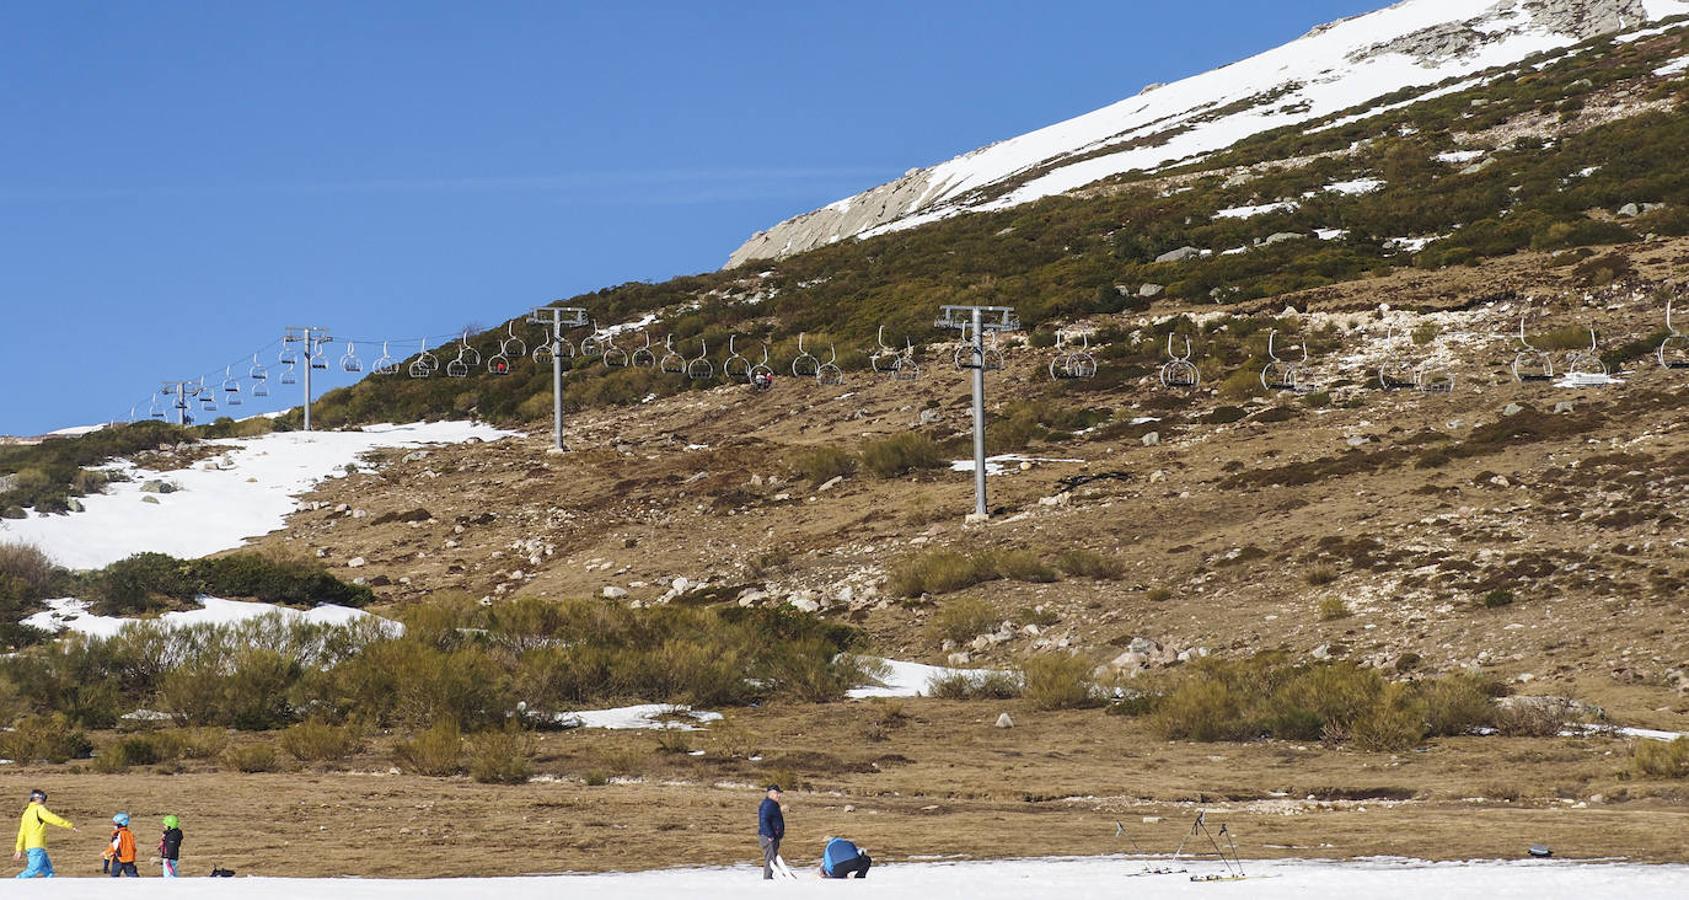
(1199, 829)
(783, 871)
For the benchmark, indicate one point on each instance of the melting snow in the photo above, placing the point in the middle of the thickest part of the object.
(653, 716)
(995, 465)
(1458, 156)
(1676, 66)
(1007, 879)
(1356, 186)
(907, 679)
(246, 491)
(1245, 212)
(71, 614)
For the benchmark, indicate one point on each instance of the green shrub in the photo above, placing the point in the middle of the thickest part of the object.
(939, 572)
(1426, 332)
(49, 739)
(143, 583)
(822, 464)
(1661, 759)
(1022, 565)
(1058, 681)
(978, 685)
(436, 751)
(962, 619)
(1334, 608)
(901, 454)
(30, 568)
(1456, 705)
(1201, 709)
(1395, 722)
(1090, 564)
(197, 743)
(1497, 599)
(502, 757)
(251, 758)
(1321, 701)
(317, 741)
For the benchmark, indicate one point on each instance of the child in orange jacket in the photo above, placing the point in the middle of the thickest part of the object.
(120, 853)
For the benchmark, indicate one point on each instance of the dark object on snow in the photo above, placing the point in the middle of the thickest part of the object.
(222, 873)
(1541, 851)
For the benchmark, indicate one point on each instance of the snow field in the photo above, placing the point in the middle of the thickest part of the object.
(1069, 879)
(247, 491)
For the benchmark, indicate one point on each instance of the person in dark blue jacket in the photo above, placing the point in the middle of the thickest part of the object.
(842, 859)
(771, 828)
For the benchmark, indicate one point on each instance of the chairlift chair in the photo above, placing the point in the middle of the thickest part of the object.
(761, 375)
(288, 375)
(1073, 364)
(1530, 364)
(318, 359)
(992, 358)
(207, 397)
(349, 361)
(671, 362)
(735, 367)
(499, 364)
(1674, 350)
(701, 369)
(1395, 373)
(1179, 371)
(459, 368)
(1433, 379)
(257, 372)
(883, 359)
(466, 354)
(644, 357)
(1281, 374)
(591, 345)
(287, 356)
(614, 357)
(512, 347)
(384, 364)
(153, 410)
(1587, 363)
(804, 365)
(231, 387)
(905, 368)
(829, 373)
(425, 364)
(542, 353)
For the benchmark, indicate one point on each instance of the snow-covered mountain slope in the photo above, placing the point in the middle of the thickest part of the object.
(1335, 67)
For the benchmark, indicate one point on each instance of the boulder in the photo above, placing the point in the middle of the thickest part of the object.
(1150, 289)
(356, 562)
(959, 658)
(612, 592)
(158, 487)
(1282, 237)
(1004, 721)
(1152, 439)
(1179, 255)
(147, 499)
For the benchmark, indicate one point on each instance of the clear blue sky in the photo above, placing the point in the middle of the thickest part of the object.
(180, 180)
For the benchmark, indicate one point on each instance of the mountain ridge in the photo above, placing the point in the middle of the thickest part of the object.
(1341, 65)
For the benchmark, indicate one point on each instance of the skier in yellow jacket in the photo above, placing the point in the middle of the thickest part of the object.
(32, 836)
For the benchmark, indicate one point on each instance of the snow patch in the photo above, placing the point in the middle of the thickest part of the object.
(1356, 186)
(73, 615)
(997, 465)
(651, 716)
(1247, 212)
(908, 679)
(248, 490)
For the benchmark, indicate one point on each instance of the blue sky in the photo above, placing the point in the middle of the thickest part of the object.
(180, 180)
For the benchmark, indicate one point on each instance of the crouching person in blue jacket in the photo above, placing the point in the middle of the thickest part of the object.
(843, 859)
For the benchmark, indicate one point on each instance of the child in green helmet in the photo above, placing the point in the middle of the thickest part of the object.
(170, 848)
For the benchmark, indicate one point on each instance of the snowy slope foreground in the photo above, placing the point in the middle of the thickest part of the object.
(1007, 880)
(1346, 64)
(247, 491)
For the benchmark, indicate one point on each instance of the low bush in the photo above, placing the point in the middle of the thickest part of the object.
(252, 758)
(1058, 681)
(939, 572)
(136, 750)
(436, 751)
(51, 739)
(963, 619)
(979, 685)
(1534, 717)
(197, 743)
(150, 582)
(1022, 565)
(30, 568)
(317, 741)
(1090, 564)
(502, 757)
(1661, 759)
(822, 464)
(1320, 575)
(1394, 722)
(901, 454)
(1334, 608)
(1497, 599)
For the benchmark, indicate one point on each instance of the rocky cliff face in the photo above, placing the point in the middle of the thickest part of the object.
(1340, 66)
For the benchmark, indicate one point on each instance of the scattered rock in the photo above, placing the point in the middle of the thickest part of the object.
(1322, 652)
(1282, 237)
(356, 562)
(158, 487)
(1148, 290)
(416, 456)
(1152, 439)
(1564, 406)
(1512, 409)
(612, 592)
(928, 416)
(830, 483)
(1179, 255)
(1004, 721)
(959, 658)
(147, 499)
(74, 505)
